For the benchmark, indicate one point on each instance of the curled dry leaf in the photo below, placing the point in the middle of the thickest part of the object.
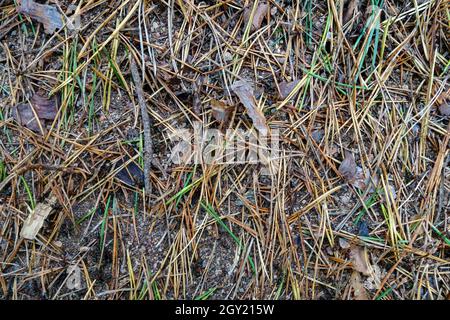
(44, 108)
(220, 111)
(245, 93)
(287, 87)
(35, 220)
(48, 15)
(258, 17)
(360, 260)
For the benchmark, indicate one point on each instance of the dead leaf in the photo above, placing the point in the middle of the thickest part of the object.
(352, 173)
(348, 166)
(131, 174)
(42, 107)
(244, 91)
(344, 243)
(444, 109)
(360, 260)
(35, 220)
(361, 179)
(356, 284)
(220, 111)
(48, 15)
(287, 87)
(443, 97)
(317, 135)
(258, 17)
(350, 8)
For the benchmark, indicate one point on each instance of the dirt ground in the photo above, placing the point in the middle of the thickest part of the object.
(356, 207)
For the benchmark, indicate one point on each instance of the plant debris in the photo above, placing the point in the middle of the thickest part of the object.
(352, 173)
(259, 15)
(48, 15)
(36, 218)
(287, 87)
(245, 92)
(131, 173)
(360, 260)
(145, 119)
(349, 10)
(220, 111)
(41, 107)
(357, 286)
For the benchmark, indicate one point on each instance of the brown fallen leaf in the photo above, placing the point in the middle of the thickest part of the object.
(360, 260)
(35, 220)
(348, 166)
(352, 173)
(48, 15)
(356, 284)
(350, 8)
(220, 110)
(287, 87)
(258, 17)
(42, 107)
(444, 109)
(444, 96)
(245, 93)
(344, 243)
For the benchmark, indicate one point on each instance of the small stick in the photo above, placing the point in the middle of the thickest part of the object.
(148, 144)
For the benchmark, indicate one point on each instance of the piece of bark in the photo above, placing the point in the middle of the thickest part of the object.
(35, 220)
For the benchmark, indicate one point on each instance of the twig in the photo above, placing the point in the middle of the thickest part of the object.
(148, 144)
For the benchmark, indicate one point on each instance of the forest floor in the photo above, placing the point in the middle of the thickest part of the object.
(351, 203)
